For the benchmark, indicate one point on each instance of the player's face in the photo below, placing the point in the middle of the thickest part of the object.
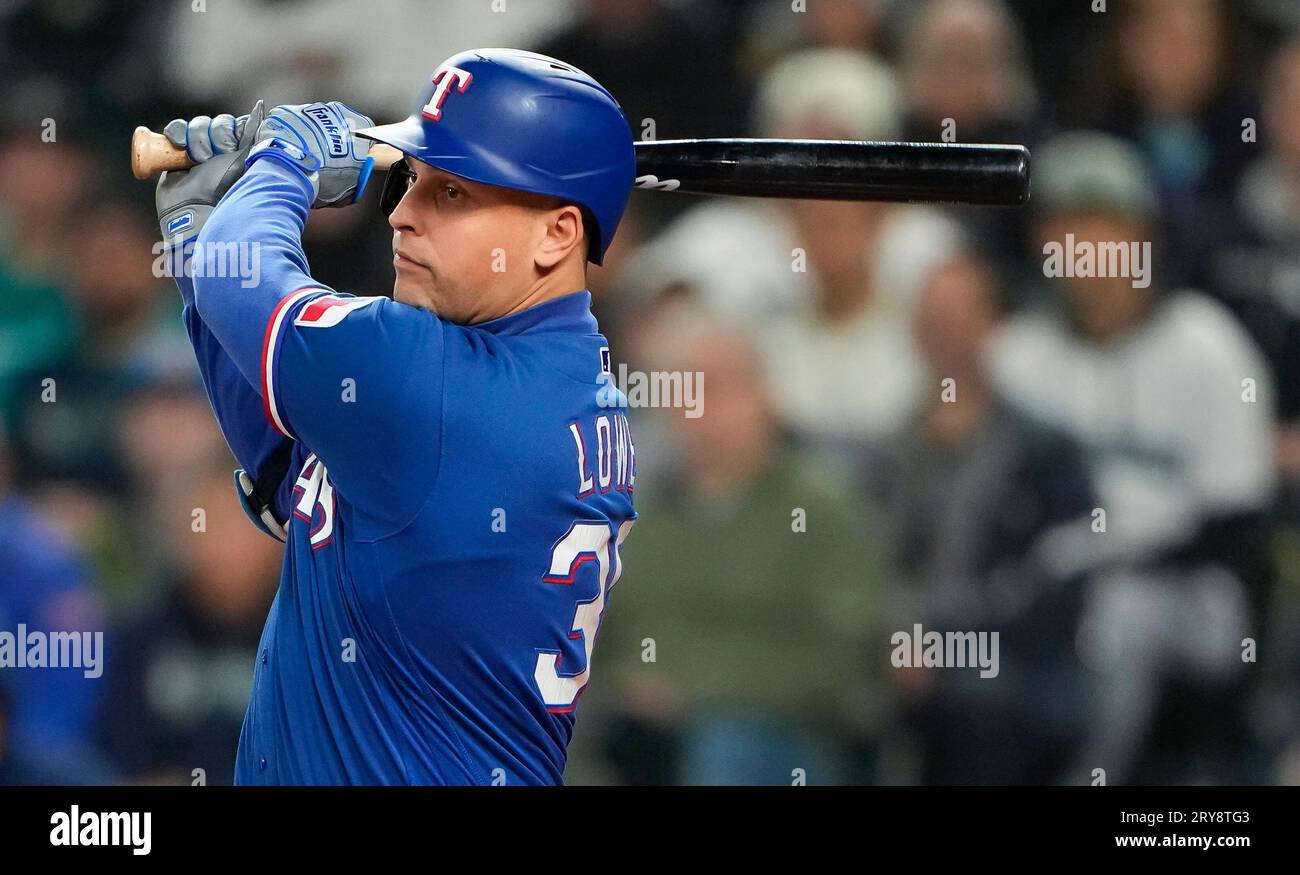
(462, 249)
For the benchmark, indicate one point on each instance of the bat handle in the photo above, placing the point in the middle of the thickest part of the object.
(152, 153)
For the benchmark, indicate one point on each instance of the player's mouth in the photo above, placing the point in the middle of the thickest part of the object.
(400, 260)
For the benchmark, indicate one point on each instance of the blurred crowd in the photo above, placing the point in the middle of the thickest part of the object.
(906, 420)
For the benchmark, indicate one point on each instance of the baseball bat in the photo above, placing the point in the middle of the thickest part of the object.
(988, 174)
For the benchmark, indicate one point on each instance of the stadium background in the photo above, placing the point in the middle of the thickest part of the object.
(830, 495)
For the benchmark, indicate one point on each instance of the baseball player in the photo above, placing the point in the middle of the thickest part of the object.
(449, 469)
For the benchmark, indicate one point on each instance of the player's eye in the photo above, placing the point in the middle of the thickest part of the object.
(452, 192)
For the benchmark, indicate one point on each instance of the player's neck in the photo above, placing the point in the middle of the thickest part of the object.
(564, 280)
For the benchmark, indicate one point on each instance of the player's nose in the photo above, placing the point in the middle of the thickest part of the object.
(404, 218)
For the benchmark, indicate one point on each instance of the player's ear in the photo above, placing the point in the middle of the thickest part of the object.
(563, 233)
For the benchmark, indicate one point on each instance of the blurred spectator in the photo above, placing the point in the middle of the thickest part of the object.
(298, 51)
(1153, 384)
(1169, 82)
(978, 497)
(1258, 271)
(963, 65)
(41, 182)
(37, 327)
(179, 683)
(966, 79)
(827, 287)
(759, 628)
(48, 588)
(666, 65)
(1283, 15)
(165, 431)
(1062, 38)
(27, 764)
(66, 413)
(774, 28)
(59, 56)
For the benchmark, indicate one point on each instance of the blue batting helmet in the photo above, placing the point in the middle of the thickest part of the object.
(524, 121)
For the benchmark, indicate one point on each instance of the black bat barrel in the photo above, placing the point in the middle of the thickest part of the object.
(995, 175)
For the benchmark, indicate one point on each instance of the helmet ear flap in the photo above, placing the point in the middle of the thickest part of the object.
(395, 186)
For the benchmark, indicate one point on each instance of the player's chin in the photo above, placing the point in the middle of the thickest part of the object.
(402, 290)
(416, 291)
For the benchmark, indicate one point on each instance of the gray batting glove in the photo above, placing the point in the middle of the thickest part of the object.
(185, 198)
(318, 139)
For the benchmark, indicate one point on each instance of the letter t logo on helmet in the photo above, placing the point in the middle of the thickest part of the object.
(530, 123)
(443, 78)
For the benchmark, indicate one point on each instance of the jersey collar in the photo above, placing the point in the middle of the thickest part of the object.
(569, 313)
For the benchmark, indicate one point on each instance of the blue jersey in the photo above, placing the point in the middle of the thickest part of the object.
(454, 505)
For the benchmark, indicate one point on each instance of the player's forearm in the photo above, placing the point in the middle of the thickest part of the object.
(264, 211)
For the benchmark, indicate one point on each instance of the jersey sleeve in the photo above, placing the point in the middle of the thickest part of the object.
(359, 382)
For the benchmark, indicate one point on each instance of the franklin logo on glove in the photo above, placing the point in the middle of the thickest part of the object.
(329, 126)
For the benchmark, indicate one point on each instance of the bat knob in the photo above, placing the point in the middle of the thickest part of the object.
(153, 153)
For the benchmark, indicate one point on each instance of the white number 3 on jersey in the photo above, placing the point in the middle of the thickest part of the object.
(586, 542)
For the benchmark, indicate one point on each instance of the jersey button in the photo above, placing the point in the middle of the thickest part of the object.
(264, 657)
(261, 763)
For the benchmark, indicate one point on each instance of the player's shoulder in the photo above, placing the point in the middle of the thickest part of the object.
(329, 325)
(371, 352)
(319, 308)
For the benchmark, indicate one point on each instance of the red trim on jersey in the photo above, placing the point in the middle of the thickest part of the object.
(580, 560)
(268, 391)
